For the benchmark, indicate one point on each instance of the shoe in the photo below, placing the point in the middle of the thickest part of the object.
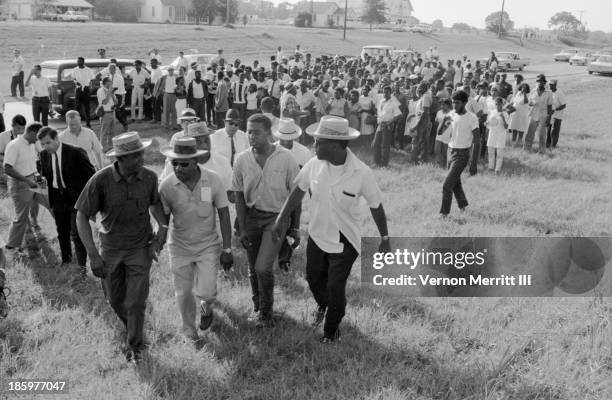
(133, 356)
(264, 320)
(253, 316)
(82, 272)
(318, 316)
(462, 209)
(206, 317)
(330, 339)
(284, 265)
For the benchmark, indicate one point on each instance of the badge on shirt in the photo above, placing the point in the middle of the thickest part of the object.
(205, 194)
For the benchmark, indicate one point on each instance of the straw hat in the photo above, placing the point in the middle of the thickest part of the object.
(188, 114)
(128, 143)
(184, 148)
(287, 130)
(198, 129)
(331, 127)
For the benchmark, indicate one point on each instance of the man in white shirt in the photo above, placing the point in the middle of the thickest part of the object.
(558, 106)
(157, 99)
(336, 180)
(273, 86)
(108, 102)
(119, 89)
(230, 141)
(182, 61)
(154, 55)
(388, 113)
(82, 76)
(464, 127)
(18, 125)
(239, 90)
(541, 101)
(20, 166)
(306, 100)
(82, 137)
(41, 94)
(17, 74)
(139, 79)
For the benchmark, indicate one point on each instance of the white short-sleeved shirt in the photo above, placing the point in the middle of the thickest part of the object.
(5, 138)
(446, 133)
(86, 140)
(40, 86)
(139, 78)
(82, 75)
(193, 228)
(335, 193)
(216, 163)
(21, 155)
(558, 100)
(461, 130)
(300, 152)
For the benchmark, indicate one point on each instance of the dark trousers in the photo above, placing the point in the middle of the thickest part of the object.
(220, 117)
(40, 110)
(261, 255)
(120, 112)
(210, 109)
(440, 153)
(420, 143)
(475, 154)
(199, 106)
(126, 288)
(16, 81)
(147, 108)
(452, 184)
(383, 138)
(241, 108)
(2, 126)
(327, 274)
(65, 221)
(157, 107)
(81, 97)
(552, 137)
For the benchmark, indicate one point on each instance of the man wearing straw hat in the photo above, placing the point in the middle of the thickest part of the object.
(336, 180)
(124, 193)
(263, 177)
(190, 195)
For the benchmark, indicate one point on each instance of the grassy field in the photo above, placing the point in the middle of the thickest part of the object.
(393, 348)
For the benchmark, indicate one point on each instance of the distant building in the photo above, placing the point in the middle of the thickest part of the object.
(396, 10)
(325, 14)
(29, 9)
(173, 11)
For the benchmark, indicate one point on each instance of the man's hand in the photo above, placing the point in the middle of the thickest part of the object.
(244, 240)
(97, 266)
(295, 235)
(277, 231)
(32, 184)
(226, 260)
(384, 246)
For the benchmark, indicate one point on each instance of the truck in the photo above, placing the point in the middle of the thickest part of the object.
(72, 16)
(507, 60)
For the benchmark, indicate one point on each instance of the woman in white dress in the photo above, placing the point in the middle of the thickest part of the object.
(497, 123)
(520, 117)
(367, 108)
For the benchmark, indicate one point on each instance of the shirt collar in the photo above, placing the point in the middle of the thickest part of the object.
(59, 150)
(203, 177)
(118, 177)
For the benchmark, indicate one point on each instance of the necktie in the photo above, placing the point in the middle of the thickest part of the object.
(240, 93)
(233, 151)
(58, 174)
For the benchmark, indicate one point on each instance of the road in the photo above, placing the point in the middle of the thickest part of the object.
(560, 71)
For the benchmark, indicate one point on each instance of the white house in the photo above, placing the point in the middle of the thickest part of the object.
(174, 11)
(28, 9)
(325, 14)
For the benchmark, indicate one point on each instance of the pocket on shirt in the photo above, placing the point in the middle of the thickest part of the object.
(204, 209)
(278, 179)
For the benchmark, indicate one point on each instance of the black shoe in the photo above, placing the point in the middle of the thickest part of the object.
(318, 316)
(264, 320)
(206, 317)
(329, 339)
(133, 356)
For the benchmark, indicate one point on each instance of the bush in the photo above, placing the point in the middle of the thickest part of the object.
(303, 20)
(567, 41)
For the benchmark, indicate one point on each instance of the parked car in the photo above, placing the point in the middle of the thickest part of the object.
(565, 55)
(602, 66)
(421, 28)
(403, 53)
(48, 16)
(582, 58)
(507, 60)
(204, 60)
(72, 16)
(63, 88)
(375, 51)
(605, 52)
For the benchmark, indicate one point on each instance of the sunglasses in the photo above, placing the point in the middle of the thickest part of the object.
(183, 164)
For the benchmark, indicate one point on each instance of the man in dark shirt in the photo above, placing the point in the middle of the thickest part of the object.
(122, 193)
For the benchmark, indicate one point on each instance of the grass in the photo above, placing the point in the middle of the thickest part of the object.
(393, 347)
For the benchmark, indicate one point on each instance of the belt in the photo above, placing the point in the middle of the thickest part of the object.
(109, 112)
(40, 97)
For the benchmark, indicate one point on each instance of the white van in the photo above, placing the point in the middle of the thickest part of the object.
(375, 51)
(422, 28)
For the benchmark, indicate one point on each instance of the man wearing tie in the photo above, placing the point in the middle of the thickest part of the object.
(239, 90)
(67, 170)
(230, 140)
(273, 87)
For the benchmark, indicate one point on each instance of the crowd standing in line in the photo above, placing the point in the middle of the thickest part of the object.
(238, 139)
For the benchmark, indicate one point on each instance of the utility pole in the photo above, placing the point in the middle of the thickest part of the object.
(345, 15)
(501, 18)
(227, 12)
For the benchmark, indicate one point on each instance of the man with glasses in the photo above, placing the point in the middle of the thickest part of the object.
(230, 141)
(191, 194)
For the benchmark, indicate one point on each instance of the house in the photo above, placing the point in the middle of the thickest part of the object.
(173, 11)
(29, 9)
(398, 11)
(325, 14)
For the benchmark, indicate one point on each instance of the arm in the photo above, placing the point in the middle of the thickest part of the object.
(12, 172)
(84, 229)
(293, 202)
(226, 227)
(162, 221)
(241, 216)
(378, 214)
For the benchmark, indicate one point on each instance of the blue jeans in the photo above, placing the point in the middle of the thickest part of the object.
(452, 184)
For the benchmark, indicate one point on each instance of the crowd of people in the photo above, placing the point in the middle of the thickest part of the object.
(240, 143)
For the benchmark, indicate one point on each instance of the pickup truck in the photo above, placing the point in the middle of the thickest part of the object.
(507, 60)
(72, 16)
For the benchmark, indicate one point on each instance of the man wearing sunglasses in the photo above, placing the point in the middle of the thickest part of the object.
(230, 141)
(191, 194)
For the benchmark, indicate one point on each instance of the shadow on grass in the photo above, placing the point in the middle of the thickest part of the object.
(515, 167)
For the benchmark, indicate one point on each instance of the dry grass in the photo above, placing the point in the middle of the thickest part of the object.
(393, 348)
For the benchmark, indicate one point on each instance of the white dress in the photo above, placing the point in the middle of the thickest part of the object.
(520, 117)
(366, 103)
(497, 132)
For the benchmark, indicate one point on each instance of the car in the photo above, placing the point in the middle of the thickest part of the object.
(565, 54)
(376, 50)
(605, 52)
(582, 58)
(204, 60)
(507, 60)
(421, 28)
(403, 53)
(63, 88)
(72, 16)
(48, 16)
(603, 66)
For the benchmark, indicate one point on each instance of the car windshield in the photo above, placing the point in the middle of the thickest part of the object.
(50, 73)
(606, 59)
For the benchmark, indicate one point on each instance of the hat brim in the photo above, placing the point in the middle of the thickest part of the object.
(285, 136)
(313, 130)
(169, 153)
(145, 143)
(194, 118)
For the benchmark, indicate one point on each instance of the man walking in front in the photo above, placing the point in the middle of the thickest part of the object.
(67, 170)
(336, 180)
(191, 194)
(263, 176)
(124, 193)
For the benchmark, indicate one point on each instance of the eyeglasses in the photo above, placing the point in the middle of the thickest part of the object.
(233, 123)
(183, 164)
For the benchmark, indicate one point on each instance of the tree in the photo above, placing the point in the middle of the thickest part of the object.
(492, 22)
(461, 26)
(437, 25)
(567, 23)
(118, 10)
(222, 10)
(303, 20)
(204, 9)
(374, 12)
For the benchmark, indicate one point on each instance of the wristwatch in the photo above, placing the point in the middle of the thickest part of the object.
(384, 238)
(227, 251)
